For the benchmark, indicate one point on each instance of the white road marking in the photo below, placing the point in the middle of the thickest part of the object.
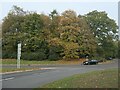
(7, 79)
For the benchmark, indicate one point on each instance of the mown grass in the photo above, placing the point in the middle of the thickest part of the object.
(95, 79)
(14, 61)
(3, 70)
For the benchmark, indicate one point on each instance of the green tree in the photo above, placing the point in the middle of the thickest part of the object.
(86, 39)
(55, 18)
(36, 35)
(11, 31)
(104, 30)
(118, 49)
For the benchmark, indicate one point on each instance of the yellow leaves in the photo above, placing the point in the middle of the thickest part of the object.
(70, 49)
(65, 21)
(55, 41)
(69, 13)
(71, 45)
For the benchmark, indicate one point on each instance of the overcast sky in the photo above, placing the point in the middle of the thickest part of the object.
(46, 7)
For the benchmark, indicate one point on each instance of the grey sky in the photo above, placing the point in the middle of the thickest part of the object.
(80, 7)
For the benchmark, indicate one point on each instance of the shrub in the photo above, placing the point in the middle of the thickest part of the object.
(9, 54)
(54, 56)
(33, 56)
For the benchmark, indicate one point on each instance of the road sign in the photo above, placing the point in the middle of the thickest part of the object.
(18, 55)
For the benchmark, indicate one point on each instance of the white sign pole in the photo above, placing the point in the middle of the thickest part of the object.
(119, 19)
(18, 55)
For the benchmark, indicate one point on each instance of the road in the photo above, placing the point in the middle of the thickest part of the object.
(38, 78)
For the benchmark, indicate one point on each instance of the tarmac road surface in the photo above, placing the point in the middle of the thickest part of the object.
(38, 78)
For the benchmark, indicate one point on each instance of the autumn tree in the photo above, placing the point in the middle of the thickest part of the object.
(75, 32)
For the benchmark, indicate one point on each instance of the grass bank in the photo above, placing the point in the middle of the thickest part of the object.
(24, 62)
(4, 70)
(95, 79)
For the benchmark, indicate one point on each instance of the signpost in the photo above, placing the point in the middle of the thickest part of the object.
(18, 55)
(119, 19)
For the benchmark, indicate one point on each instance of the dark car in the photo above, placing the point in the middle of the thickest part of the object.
(109, 58)
(90, 62)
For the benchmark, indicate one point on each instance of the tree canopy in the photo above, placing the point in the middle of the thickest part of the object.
(58, 36)
(105, 30)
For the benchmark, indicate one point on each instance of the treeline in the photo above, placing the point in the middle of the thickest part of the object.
(59, 36)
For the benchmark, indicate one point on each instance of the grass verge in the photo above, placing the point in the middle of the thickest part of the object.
(14, 61)
(4, 70)
(95, 79)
